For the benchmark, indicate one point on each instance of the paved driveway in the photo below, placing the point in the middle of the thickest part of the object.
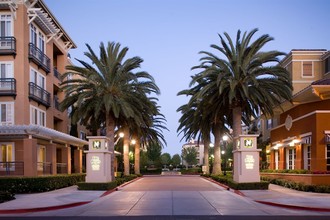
(172, 196)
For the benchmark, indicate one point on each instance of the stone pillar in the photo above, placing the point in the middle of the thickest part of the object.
(246, 160)
(78, 160)
(51, 157)
(30, 157)
(99, 166)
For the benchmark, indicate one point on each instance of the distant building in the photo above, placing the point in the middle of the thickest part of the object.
(199, 149)
(34, 133)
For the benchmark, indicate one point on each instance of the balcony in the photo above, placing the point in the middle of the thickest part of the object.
(57, 74)
(8, 46)
(56, 103)
(39, 58)
(39, 95)
(8, 87)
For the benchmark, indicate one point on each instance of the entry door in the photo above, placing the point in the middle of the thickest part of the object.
(307, 157)
(276, 160)
(290, 158)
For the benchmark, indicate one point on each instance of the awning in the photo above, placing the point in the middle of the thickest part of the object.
(40, 132)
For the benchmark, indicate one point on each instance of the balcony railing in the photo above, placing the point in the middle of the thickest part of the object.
(62, 168)
(44, 168)
(11, 168)
(8, 46)
(57, 74)
(39, 95)
(7, 87)
(39, 58)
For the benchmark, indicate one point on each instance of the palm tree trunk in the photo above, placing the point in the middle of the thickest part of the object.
(206, 154)
(137, 157)
(217, 155)
(237, 124)
(126, 151)
(110, 133)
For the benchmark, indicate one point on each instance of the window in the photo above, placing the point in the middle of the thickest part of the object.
(327, 65)
(37, 78)
(327, 156)
(37, 38)
(6, 113)
(5, 25)
(37, 116)
(7, 154)
(33, 34)
(6, 70)
(82, 135)
(307, 69)
(269, 123)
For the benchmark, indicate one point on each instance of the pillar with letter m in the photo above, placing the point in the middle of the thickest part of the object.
(98, 160)
(246, 159)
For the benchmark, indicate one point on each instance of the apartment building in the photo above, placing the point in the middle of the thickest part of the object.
(199, 149)
(34, 133)
(300, 135)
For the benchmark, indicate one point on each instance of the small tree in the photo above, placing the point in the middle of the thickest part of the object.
(165, 159)
(153, 152)
(176, 160)
(189, 154)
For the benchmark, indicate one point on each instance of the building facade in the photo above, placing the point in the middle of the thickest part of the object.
(299, 135)
(33, 131)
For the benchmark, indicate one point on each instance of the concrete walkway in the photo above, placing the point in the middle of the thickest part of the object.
(169, 196)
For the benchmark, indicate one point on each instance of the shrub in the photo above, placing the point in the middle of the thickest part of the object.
(228, 180)
(262, 185)
(6, 196)
(97, 186)
(106, 186)
(151, 171)
(40, 183)
(192, 171)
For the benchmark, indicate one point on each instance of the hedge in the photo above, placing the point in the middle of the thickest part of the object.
(191, 171)
(299, 186)
(106, 186)
(97, 186)
(40, 183)
(228, 181)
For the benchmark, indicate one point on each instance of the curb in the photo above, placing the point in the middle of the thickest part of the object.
(294, 206)
(271, 203)
(69, 205)
(42, 209)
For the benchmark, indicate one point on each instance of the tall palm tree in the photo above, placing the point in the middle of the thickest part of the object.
(107, 90)
(247, 78)
(201, 116)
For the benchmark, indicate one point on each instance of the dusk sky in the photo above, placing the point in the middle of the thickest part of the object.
(168, 34)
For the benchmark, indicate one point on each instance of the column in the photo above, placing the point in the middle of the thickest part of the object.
(30, 157)
(51, 157)
(66, 158)
(78, 160)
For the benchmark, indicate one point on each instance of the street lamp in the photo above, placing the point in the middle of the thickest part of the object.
(121, 135)
(224, 138)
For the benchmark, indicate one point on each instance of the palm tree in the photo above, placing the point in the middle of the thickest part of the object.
(247, 78)
(107, 91)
